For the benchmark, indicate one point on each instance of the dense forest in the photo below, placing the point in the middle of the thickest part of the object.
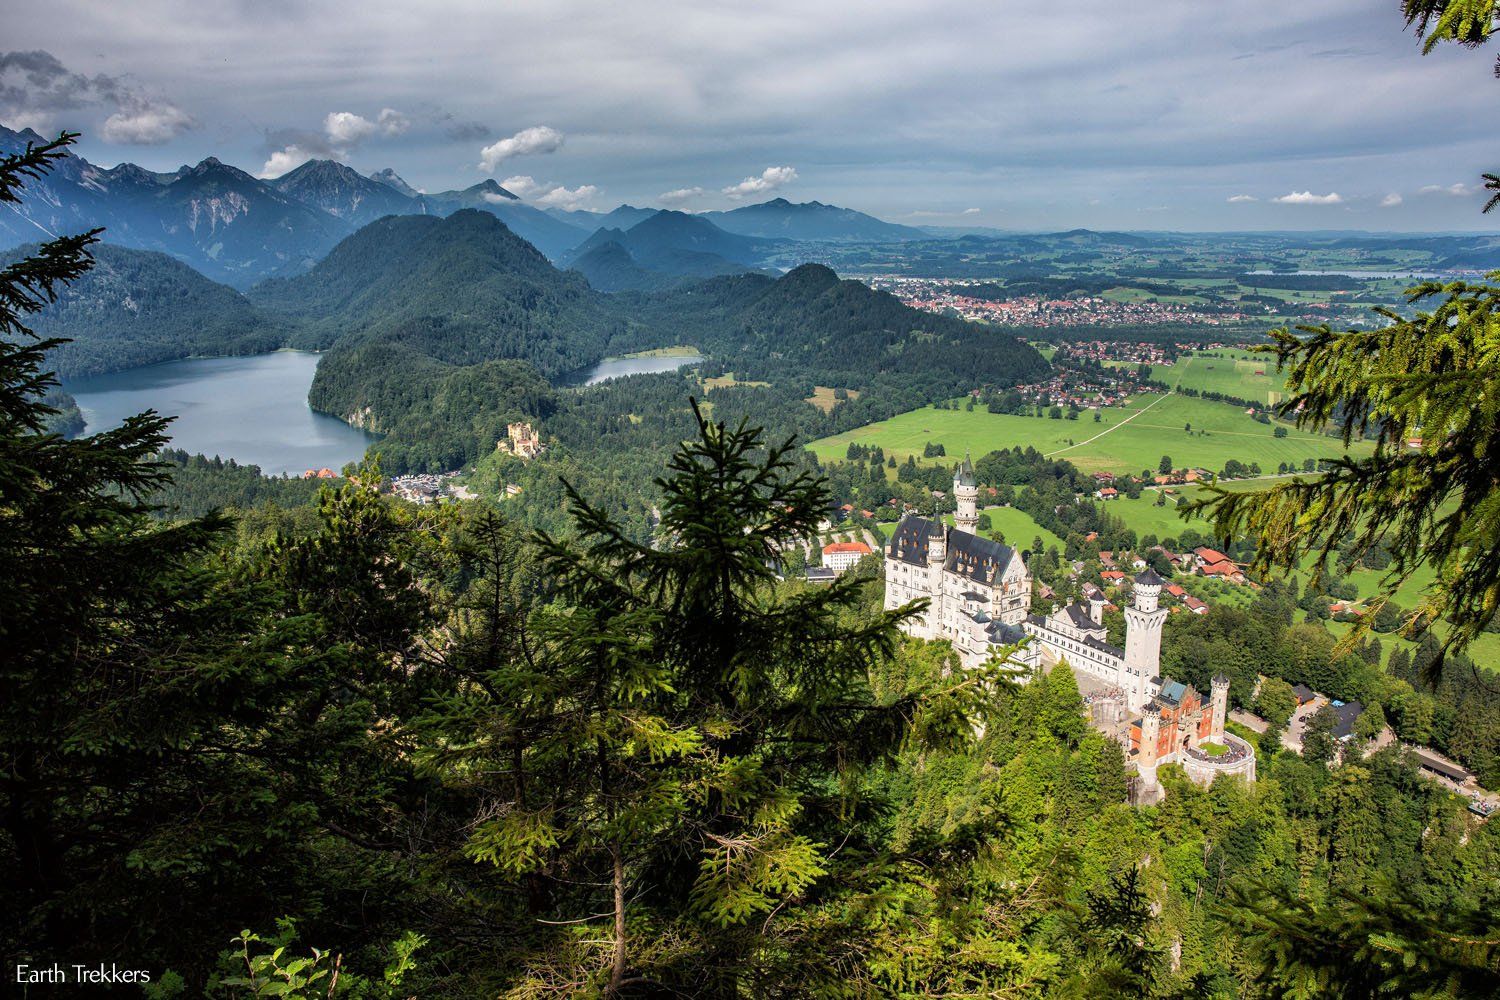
(138, 307)
(377, 750)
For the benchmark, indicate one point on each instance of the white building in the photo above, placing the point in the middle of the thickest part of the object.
(840, 556)
(979, 598)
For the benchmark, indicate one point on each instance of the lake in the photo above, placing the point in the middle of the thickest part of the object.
(1367, 274)
(620, 367)
(251, 409)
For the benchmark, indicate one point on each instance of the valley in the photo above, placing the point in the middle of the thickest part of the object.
(482, 517)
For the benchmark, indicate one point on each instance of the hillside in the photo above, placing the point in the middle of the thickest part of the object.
(662, 250)
(549, 235)
(809, 320)
(461, 289)
(609, 267)
(229, 225)
(138, 307)
(668, 236)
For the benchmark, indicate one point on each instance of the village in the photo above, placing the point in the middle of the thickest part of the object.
(945, 295)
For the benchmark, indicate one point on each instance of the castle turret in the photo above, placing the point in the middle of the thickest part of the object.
(1220, 706)
(1097, 604)
(1143, 622)
(966, 494)
(937, 542)
(1146, 758)
(937, 554)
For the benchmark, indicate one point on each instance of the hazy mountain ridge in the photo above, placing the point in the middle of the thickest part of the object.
(810, 221)
(665, 248)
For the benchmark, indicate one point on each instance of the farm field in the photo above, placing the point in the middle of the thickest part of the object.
(1137, 436)
(1233, 373)
(1142, 516)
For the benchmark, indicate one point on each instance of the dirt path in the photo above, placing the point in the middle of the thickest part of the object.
(1116, 427)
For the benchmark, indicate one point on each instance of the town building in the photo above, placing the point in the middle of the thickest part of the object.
(840, 556)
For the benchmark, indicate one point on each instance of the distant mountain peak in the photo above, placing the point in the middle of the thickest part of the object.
(489, 186)
(393, 180)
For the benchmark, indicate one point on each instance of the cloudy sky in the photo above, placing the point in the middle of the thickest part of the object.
(1167, 114)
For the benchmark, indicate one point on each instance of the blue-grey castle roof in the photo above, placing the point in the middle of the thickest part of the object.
(970, 556)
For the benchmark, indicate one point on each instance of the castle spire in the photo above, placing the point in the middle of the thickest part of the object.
(966, 495)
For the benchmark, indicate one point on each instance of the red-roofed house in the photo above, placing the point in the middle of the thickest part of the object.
(1108, 493)
(1194, 605)
(1112, 576)
(841, 555)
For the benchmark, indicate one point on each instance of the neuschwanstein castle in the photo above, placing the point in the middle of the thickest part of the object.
(980, 600)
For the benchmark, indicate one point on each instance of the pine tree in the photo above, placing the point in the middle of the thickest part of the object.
(1426, 378)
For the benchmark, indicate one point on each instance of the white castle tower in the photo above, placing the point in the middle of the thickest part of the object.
(1219, 705)
(1143, 621)
(966, 494)
(937, 554)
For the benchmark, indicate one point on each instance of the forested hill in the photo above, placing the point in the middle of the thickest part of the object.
(462, 290)
(810, 321)
(139, 307)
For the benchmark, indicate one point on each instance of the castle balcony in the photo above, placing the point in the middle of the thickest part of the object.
(1203, 767)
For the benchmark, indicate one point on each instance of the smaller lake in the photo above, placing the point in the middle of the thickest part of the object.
(621, 367)
(252, 409)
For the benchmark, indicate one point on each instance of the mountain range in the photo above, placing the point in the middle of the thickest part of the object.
(663, 249)
(239, 229)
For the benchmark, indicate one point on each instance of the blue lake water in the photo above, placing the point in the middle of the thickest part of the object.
(251, 409)
(620, 367)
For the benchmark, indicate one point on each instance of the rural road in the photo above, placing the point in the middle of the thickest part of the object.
(1116, 427)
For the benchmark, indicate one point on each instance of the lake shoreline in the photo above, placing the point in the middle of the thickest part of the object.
(251, 408)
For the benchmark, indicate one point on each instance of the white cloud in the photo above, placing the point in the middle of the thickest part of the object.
(392, 122)
(1236, 199)
(495, 199)
(147, 124)
(680, 196)
(1391, 200)
(528, 141)
(1456, 190)
(1308, 198)
(522, 186)
(346, 131)
(923, 213)
(549, 195)
(345, 128)
(38, 91)
(284, 160)
(569, 200)
(770, 179)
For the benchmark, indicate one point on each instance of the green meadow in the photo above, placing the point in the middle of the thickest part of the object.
(1233, 373)
(1125, 440)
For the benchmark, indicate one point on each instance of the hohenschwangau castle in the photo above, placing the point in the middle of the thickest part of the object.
(980, 600)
